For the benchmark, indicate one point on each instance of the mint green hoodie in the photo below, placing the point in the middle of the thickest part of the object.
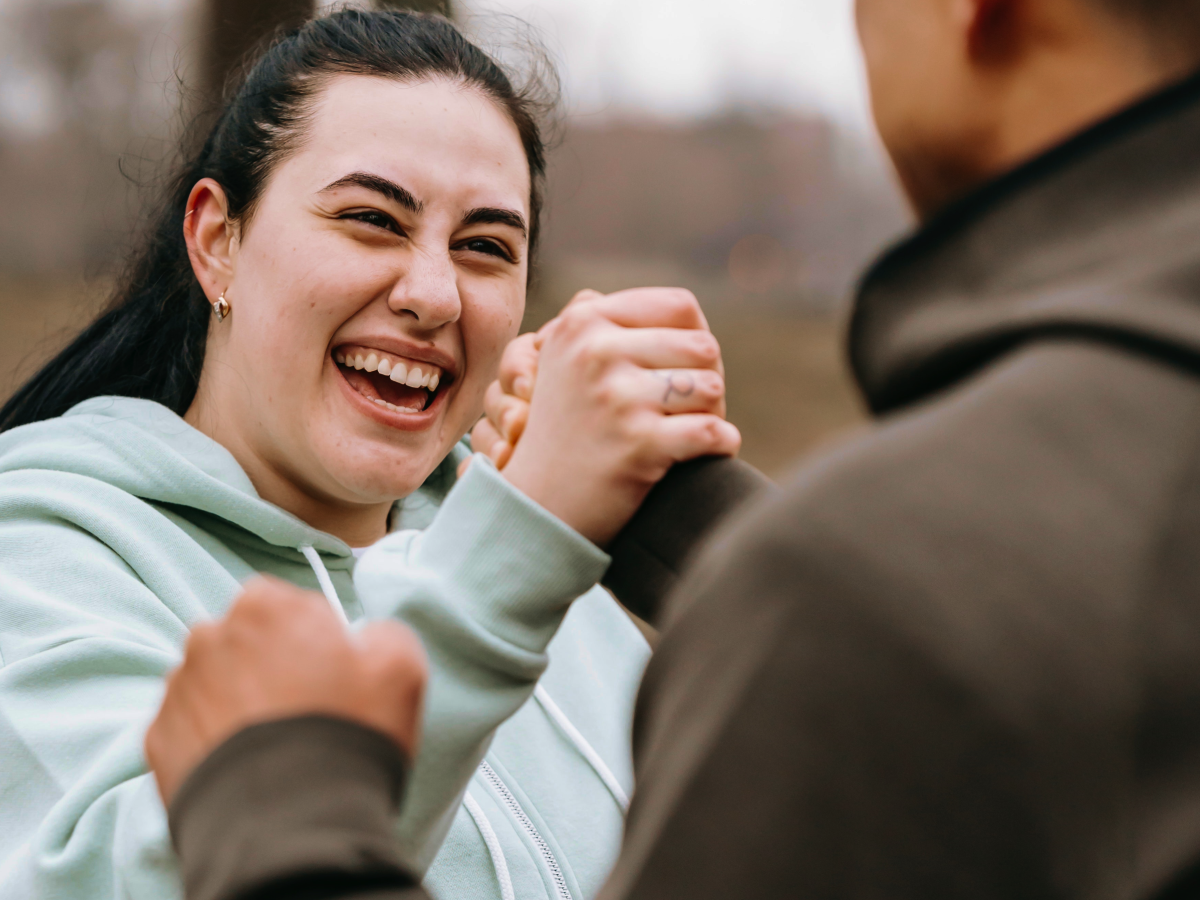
(121, 526)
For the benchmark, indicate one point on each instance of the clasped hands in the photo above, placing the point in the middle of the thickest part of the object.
(627, 384)
(586, 417)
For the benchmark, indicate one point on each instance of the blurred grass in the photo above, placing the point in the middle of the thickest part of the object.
(787, 385)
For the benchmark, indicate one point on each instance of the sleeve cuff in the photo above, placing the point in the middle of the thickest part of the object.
(681, 512)
(311, 797)
(516, 565)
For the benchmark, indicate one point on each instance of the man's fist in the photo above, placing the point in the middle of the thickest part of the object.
(282, 652)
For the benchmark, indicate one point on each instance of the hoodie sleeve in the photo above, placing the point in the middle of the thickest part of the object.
(80, 816)
(486, 586)
(86, 641)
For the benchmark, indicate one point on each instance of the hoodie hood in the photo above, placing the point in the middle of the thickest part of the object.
(148, 451)
(1094, 239)
(123, 527)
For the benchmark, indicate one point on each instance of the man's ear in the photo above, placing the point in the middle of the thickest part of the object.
(990, 28)
(211, 238)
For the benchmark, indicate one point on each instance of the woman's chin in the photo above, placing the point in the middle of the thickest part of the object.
(379, 454)
(374, 474)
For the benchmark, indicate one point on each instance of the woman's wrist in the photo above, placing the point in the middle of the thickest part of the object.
(574, 501)
(508, 563)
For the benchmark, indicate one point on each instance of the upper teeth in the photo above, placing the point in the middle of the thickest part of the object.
(414, 375)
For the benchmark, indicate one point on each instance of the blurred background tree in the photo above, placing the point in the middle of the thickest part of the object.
(233, 28)
(436, 6)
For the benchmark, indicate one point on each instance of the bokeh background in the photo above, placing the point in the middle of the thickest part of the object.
(723, 147)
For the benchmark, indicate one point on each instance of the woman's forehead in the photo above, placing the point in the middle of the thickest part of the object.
(435, 137)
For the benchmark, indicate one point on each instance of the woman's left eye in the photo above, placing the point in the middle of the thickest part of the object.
(488, 246)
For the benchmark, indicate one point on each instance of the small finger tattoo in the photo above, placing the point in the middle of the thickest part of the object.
(680, 383)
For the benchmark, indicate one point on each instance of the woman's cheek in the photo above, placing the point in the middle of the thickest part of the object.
(483, 353)
(489, 322)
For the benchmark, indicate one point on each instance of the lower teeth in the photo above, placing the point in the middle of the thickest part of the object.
(392, 406)
(381, 402)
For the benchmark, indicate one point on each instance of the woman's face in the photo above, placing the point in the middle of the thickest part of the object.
(380, 276)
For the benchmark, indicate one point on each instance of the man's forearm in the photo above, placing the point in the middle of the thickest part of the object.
(301, 809)
(652, 550)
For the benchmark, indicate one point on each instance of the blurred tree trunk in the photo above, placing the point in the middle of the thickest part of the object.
(233, 28)
(445, 7)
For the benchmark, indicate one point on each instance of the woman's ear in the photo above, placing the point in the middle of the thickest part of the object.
(211, 238)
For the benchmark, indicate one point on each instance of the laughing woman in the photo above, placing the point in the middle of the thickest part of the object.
(285, 377)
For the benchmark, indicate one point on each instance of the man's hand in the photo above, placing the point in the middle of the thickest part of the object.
(281, 652)
(626, 385)
(506, 404)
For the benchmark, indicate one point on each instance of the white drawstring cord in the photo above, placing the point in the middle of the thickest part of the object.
(493, 846)
(323, 579)
(560, 719)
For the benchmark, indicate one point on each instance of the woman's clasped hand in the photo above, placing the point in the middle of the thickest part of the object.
(592, 410)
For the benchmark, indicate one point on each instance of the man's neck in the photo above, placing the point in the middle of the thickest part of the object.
(1047, 102)
(1050, 107)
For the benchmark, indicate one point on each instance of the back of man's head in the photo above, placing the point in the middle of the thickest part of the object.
(965, 89)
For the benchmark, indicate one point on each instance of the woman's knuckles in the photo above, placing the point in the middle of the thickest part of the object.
(706, 347)
(707, 430)
(676, 307)
(708, 385)
(575, 320)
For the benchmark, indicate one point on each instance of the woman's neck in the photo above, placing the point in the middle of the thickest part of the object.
(358, 524)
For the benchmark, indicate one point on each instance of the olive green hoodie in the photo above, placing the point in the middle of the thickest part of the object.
(121, 526)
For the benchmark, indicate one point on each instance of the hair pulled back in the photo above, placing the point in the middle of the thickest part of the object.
(150, 341)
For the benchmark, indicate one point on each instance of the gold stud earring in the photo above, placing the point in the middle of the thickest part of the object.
(221, 307)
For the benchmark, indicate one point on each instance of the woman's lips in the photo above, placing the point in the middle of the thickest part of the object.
(390, 381)
(391, 403)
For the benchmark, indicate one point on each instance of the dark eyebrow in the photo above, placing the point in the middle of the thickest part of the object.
(379, 185)
(489, 215)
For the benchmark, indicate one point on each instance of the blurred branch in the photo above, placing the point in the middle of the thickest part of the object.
(233, 29)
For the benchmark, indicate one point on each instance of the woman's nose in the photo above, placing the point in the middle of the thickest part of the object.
(427, 291)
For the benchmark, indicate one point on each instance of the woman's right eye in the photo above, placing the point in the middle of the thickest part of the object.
(374, 218)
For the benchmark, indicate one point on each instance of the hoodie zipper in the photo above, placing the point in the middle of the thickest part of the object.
(560, 883)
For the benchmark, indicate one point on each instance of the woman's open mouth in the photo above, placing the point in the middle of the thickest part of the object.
(390, 381)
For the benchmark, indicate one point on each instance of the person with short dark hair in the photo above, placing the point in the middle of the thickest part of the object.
(959, 655)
